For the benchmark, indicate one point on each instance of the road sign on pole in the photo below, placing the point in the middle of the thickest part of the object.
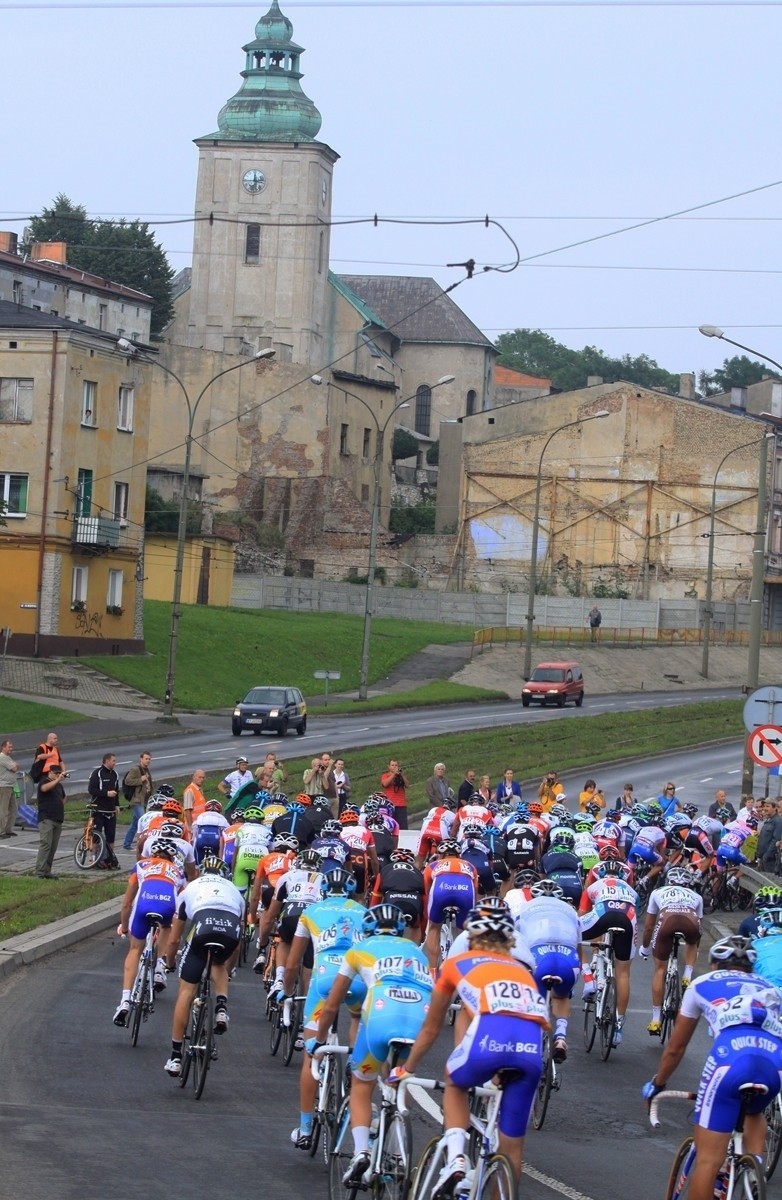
(327, 675)
(763, 707)
(764, 745)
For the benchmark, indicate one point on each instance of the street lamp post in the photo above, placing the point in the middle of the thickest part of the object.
(533, 569)
(363, 678)
(176, 604)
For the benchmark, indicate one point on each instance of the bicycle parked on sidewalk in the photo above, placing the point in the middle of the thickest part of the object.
(600, 1008)
(90, 849)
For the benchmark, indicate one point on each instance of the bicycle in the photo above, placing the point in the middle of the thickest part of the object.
(448, 931)
(672, 990)
(491, 1176)
(387, 1176)
(600, 1009)
(773, 1135)
(198, 1044)
(549, 1079)
(328, 1071)
(91, 846)
(142, 996)
(742, 1176)
(248, 928)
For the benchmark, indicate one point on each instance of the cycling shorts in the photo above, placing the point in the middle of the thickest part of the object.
(553, 958)
(730, 856)
(500, 869)
(643, 852)
(450, 891)
(427, 845)
(571, 885)
(670, 923)
(287, 926)
(154, 896)
(496, 1042)
(390, 1012)
(325, 971)
(246, 864)
(411, 904)
(214, 928)
(207, 841)
(740, 1054)
(593, 926)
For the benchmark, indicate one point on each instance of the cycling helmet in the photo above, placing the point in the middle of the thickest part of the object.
(591, 807)
(452, 803)
(331, 827)
(679, 877)
(639, 811)
(503, 809)
(386, 806)
(482, 921)
(752, 821)
(172, 808)
(172, 829)
(212, 865)
(348, 816)
(371, 806)
(525, 877)
(770, 922)
(402, 856)
(609, 854)
(522, 808)
(547, 887)
(534, 808)
(615, 868)
(733, 949)
(768, 896)
(165, 789)
(308, 860)
(254, 815)
(303, 799)
(384, 918)
(285, 841)
(473, 829)
(559, 811)
(492, 904)
(163, 847)
(339, 882)
(655, 812)
(281, 798)
(321, 802)
(563, 838)
(375, 824)
(213, 806)
(613, 814)
(155, 803)
(584, 823)
(690, 810)
(722, 813)
(264, 797)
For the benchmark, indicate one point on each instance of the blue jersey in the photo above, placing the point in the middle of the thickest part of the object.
(769, 958)
(730, 998)
(385, 960)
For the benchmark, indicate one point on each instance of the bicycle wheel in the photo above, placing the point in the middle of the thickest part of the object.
(89, 851)
(543, 1090)
(340, 1156)
(446, 940)
(608, 1019)
(671, 1000)
(334, 1097)
(203, 1042)
(394, 1164)
(187, 1048)
(590, 1023)
(499, 1180)
(773, 1136)
(290, 1033)
(429, 1165)
(679, 1177)
(275, 1028)
(138, 999)
(750, 1181)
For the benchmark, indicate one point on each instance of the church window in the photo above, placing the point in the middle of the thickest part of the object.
(252, 244)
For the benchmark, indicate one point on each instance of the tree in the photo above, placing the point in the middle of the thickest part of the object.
(537, 353)
(433, 454)
(122, 251)
(162, 516)
(404, 445)
(738, 371)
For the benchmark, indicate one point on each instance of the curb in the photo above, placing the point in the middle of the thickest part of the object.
(39, 943)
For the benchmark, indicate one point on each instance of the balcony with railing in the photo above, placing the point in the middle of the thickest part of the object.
(98, 535)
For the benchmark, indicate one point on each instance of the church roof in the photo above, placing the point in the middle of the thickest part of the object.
(414, 309)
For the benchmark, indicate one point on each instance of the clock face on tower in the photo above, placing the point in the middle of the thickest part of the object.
(253, 181)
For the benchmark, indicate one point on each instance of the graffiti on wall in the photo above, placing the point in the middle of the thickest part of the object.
(89, 624)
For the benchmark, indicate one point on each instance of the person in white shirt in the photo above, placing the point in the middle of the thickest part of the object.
(236, 779)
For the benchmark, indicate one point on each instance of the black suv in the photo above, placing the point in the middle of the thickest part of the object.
(276, 708)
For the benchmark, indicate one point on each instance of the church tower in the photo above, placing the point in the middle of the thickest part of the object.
(263, 210)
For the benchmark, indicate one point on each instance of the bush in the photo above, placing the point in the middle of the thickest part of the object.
(404, 445)
(416, 518)
(433, 455)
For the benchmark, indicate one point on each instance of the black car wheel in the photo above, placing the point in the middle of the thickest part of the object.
(302, 729)
(579, 699)
(282, 728)
(236, 729)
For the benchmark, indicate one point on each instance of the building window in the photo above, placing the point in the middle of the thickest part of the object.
(423, 409)
(343, 439)
(16, 399)
(114, 593)
(471, 399)
(89, 402)
(103, 310)
(17, 293)
(79, 585)
(365, 449)
(252, 244)
(84, 492)
(321, 249)
(121, 502)
(125, 408)
(365, 491)
(13, 494)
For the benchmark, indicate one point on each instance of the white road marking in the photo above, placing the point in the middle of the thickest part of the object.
(708, 779)
(422, 1098)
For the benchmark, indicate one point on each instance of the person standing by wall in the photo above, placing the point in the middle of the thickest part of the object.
(51, 814)
(139, 778)
(595, 620)
(103, 787)
(8, 803)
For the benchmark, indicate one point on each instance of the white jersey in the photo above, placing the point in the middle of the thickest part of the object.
(253, 838)
(651, 835)
(184, 850)
(211, 819)
(585, 846)
(520, 950)
(143, 822)
(516, 899)
(675, 899)
(729, 998)
(210, 891)
(300, 886)
(548, 919)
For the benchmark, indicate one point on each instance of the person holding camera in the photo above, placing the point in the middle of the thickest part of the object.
(394, 783)
(103, 788)
(51, 814)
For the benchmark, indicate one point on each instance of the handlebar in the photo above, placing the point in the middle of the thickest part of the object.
(329, 1048)
(431, 1085)
(655, 1103)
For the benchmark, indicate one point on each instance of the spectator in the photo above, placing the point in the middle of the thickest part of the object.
(279, 775)
(721, 801)
(395, 783)
(103, 788)
(466, 788)
(507, 788)
(51, 814)
(437, 786)
(591, 794)
(769, 837)
(550, 790)
(595, 619)
(627, 800)
(330, 789)
(484, 789)
(139, 778)
(667, 800)
(342, 781)
(749, 807)
(8, 805)
(49, 753)
(236, 779)
(193, 799)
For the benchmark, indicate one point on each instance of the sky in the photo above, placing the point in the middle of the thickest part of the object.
(561, 122)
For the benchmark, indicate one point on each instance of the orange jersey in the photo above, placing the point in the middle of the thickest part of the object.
(274, 865)
(453, 865)
(158, 820)
(159, 870)
(489, 982)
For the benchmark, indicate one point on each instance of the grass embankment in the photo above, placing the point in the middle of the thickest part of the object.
(16, 716)
(26, 902)
(223, 652)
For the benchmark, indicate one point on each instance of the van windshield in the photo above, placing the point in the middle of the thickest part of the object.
(548, 675)
(265, 695)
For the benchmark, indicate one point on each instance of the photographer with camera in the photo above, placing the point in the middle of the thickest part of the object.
(51, 814)
(103, 788)
(394, 783)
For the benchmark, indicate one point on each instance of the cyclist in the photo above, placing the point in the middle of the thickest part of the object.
(216, 908)
(385, 841)
(767, 945)
(742, 1010)
(330, 846)
(401, 882)
(319, 813)
(521, 892)
(585, 847)
(173, 831)
(506, 1016)
(300, 886)
(363, 856)
(271, 869)
(296, 820)
(673, 908)
(768, 896)
(152, 888)
(607, 831)
(523, 846)
(610, 903)
(552, 930)
(436, 826)
(399, 987)
(563, 865)
(228, 839)
(252, 843)
(450, 882)
(649, 844)
(207, 830)
(330, 927)
(154, 807)
(474, 812)
(474, 848)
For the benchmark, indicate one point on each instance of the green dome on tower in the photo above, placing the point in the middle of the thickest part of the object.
(270, 105)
